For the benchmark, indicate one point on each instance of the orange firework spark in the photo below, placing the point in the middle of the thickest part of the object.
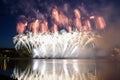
(87, 25)
(60, 20)
(55, 14)
(21, 27)
(44, 27)
(54, 28)
(63, 19)
(100, 22)
(77, 21)
(34, 26)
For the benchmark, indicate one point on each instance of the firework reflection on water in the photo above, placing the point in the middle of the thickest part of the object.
(57, 70)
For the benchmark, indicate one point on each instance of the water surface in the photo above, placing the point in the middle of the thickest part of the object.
(59, 69)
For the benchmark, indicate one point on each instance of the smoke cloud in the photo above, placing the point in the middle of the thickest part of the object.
(110, 37)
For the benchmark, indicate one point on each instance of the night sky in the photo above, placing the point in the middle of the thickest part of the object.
(11, 9)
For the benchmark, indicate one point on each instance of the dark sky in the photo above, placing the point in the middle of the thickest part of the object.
(10, 9)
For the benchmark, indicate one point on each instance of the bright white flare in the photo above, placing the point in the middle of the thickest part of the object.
(56, 45)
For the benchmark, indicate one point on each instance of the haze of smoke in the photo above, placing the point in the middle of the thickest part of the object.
(110, 37)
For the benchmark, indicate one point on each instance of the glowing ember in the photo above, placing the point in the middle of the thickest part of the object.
(21, 26)
(100, 22)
